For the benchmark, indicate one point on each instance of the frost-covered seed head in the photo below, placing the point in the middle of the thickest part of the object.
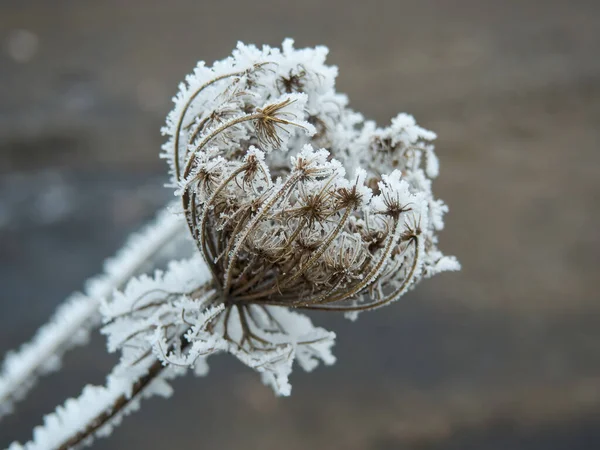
(260, 145)
(279, 206)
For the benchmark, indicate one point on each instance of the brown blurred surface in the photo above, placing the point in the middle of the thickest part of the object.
(503, 355)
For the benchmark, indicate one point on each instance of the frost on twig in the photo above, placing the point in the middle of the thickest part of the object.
(71, 324)
(100, 408)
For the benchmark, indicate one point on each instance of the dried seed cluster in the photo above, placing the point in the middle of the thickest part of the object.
(295, 202)
(293, 198)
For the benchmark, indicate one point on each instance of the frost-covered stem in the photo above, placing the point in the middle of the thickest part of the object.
(203, 220)
(313, 259)
(267, 119)
(115, 408)
(259, 276)
(278, 194)
(72, 322)
(97, 409)
(215, 133)
(185, 108)
(322, 249)
(236, 231)
(407, 280)
(384, 301)
(67, 328)
(375, 271)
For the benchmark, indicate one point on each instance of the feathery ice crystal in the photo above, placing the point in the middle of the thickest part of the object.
(294, 201)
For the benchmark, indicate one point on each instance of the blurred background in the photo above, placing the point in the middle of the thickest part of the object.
(503, 355)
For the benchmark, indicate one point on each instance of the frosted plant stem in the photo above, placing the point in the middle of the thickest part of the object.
(98, 409)
(189, 102)
(115, 408)
(71, 324)
(216, 132)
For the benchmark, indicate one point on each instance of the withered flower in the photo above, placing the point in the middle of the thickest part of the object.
(278, 227)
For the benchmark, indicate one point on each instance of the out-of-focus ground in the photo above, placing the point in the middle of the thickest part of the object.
(503, 355)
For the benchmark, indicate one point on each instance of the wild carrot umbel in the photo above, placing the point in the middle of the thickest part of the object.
(293, 201)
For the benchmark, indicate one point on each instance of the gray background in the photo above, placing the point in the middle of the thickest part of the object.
(504, 355)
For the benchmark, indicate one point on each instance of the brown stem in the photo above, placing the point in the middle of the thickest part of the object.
(192, 226)
(390, 298)
(208, 257)
(216, 132)
(185, 108)
(120, 403)
(283, 281)
(265, 208)
(255, 279)
(123, 400)
(374, 272)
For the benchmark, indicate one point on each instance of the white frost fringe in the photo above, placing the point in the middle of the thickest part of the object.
(71, 324)
(76, 414)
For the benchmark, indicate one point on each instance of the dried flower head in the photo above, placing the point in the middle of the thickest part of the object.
(294, 202)
(278, 221)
